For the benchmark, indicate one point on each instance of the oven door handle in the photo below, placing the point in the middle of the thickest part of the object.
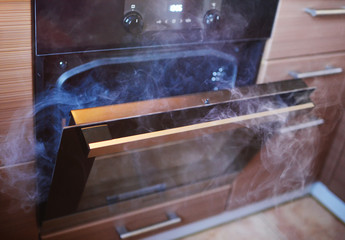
(324, 12)
(325, 72)
(116, 145)
(172, 220)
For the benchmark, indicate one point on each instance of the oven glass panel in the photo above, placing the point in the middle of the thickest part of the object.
(120, 80)
(157, 170)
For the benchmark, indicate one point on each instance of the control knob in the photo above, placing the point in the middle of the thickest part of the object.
(212, 19)
(133, 22)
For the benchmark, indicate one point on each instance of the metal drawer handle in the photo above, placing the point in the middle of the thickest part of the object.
(324, 12)
(327, 71)
(172, 219)
(300, 126)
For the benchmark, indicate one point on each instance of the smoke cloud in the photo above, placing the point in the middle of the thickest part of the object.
(285, 163)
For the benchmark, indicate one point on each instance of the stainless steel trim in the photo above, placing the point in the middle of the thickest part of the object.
(324, 12)
(300, 126)
(119, 144)
(172, 219)
(325, 72)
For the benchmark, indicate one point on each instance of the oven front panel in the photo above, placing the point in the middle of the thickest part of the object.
(99, 53)
(134, 76)
(88, 25)
(140, 173)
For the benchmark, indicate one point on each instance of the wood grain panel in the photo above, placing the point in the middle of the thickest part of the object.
(17, 181)
(16, 99)
(338, 181)
(15, 13)
(13, 1)
(15, 59)
(288, 162)
(15, 38)
(296, 33)
(330, 90)
(17, 202)
(302, 43)
(333, 172)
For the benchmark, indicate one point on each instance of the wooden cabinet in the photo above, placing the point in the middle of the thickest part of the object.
(297, 33)
(17, 171)
(300, 43)
(16, 99)
(329, 88)
(333, 170)
(17, 202)
(312, 48)
(140, 223)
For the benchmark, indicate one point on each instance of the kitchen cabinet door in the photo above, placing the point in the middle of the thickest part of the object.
(16, 100)
(298, 33)
(333, 172)
(324, 72)
(17, 202)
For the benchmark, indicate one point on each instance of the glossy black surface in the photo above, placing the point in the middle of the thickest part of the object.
(133, 22)
(85, 25)
(212, 20)
(72, 34)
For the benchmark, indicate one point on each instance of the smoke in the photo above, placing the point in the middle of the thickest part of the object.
(291, 158)
(285, 163)
(17, 179)
(19, 135)
(108, 84)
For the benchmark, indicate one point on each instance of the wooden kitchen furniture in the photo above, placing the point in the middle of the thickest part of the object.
(333, 171)
(17, 166)
(300, 43)
(311, 48)
(304, 43)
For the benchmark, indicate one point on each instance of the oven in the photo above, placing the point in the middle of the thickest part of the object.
(139, 103)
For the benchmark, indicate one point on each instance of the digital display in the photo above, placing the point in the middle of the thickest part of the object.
(176, 8)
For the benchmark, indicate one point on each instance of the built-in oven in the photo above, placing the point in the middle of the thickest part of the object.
(115, 153)
(139, 103)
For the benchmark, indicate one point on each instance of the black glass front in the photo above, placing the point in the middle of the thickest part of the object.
(85, 57)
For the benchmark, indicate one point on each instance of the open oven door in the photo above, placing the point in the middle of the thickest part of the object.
(127, 151)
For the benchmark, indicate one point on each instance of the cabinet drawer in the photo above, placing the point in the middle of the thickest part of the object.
(289, 161)
(297, 33)
(330, 89)
(187, 209)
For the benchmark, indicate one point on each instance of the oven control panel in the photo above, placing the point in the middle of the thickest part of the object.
(63, 26)
(151, 15)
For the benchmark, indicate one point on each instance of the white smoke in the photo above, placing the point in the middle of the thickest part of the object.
(17, 154)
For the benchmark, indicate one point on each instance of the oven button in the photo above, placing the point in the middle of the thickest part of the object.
(133, 22)
(212, 19)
